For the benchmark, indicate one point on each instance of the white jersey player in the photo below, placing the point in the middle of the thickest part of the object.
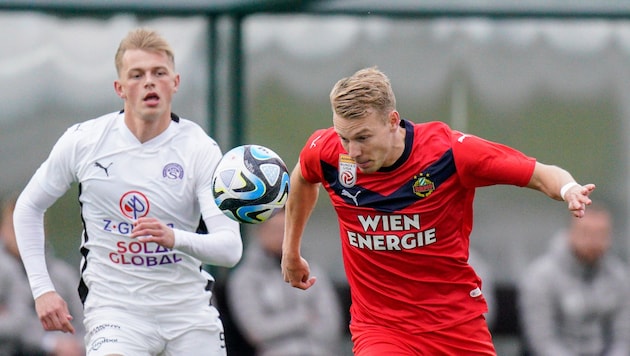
(144, 178)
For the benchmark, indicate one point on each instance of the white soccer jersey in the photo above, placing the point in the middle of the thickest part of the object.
(121, 180)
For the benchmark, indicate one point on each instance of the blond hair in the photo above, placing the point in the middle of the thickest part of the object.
(144, 39)
(359, 95)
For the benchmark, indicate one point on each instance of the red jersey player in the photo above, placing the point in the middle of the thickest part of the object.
(403, 194)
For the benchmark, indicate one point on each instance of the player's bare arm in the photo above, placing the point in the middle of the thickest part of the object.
(558, 184)
(53, 312)
(301, 202)
(153, 230)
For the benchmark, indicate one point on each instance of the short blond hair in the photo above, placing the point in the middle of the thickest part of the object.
(365, 91)
(144, 39)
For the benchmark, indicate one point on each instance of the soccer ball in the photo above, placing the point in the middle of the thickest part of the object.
(250, 184)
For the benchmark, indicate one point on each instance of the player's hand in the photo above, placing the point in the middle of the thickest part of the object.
(577, 199)
(153, 230)
(296, 272)
(53, 312)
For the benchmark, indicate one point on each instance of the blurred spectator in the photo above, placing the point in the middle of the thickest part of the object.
(14, 307)
(274, 317)
(574, 300)
(23, 320)
(484, 271)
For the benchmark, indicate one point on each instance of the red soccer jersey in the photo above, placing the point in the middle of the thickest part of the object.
(405, 229)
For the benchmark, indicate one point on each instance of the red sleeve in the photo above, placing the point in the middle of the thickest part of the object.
(310, 156)
(481, 163)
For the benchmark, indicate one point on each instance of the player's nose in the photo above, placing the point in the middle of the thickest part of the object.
(354, 149)
(149, 81)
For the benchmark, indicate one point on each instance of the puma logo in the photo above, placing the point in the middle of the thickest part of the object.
(314, 142)
(106, 169)
(345, 193)
(462, 138)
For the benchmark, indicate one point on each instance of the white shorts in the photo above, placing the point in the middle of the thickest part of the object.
(156, 332)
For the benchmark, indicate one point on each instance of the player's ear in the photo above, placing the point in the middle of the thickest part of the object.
(118, 88)
(393, 119)
(176, 79)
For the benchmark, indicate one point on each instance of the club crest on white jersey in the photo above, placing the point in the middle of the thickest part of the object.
(173, 173)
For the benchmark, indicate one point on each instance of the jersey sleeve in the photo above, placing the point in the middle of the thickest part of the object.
(28, 221)
(51, 180)
(222, 244)
(310, 156)
(57, 172)
(481, 162)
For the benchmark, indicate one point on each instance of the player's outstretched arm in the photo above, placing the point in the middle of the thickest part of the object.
(558, 184)
(301, 202)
